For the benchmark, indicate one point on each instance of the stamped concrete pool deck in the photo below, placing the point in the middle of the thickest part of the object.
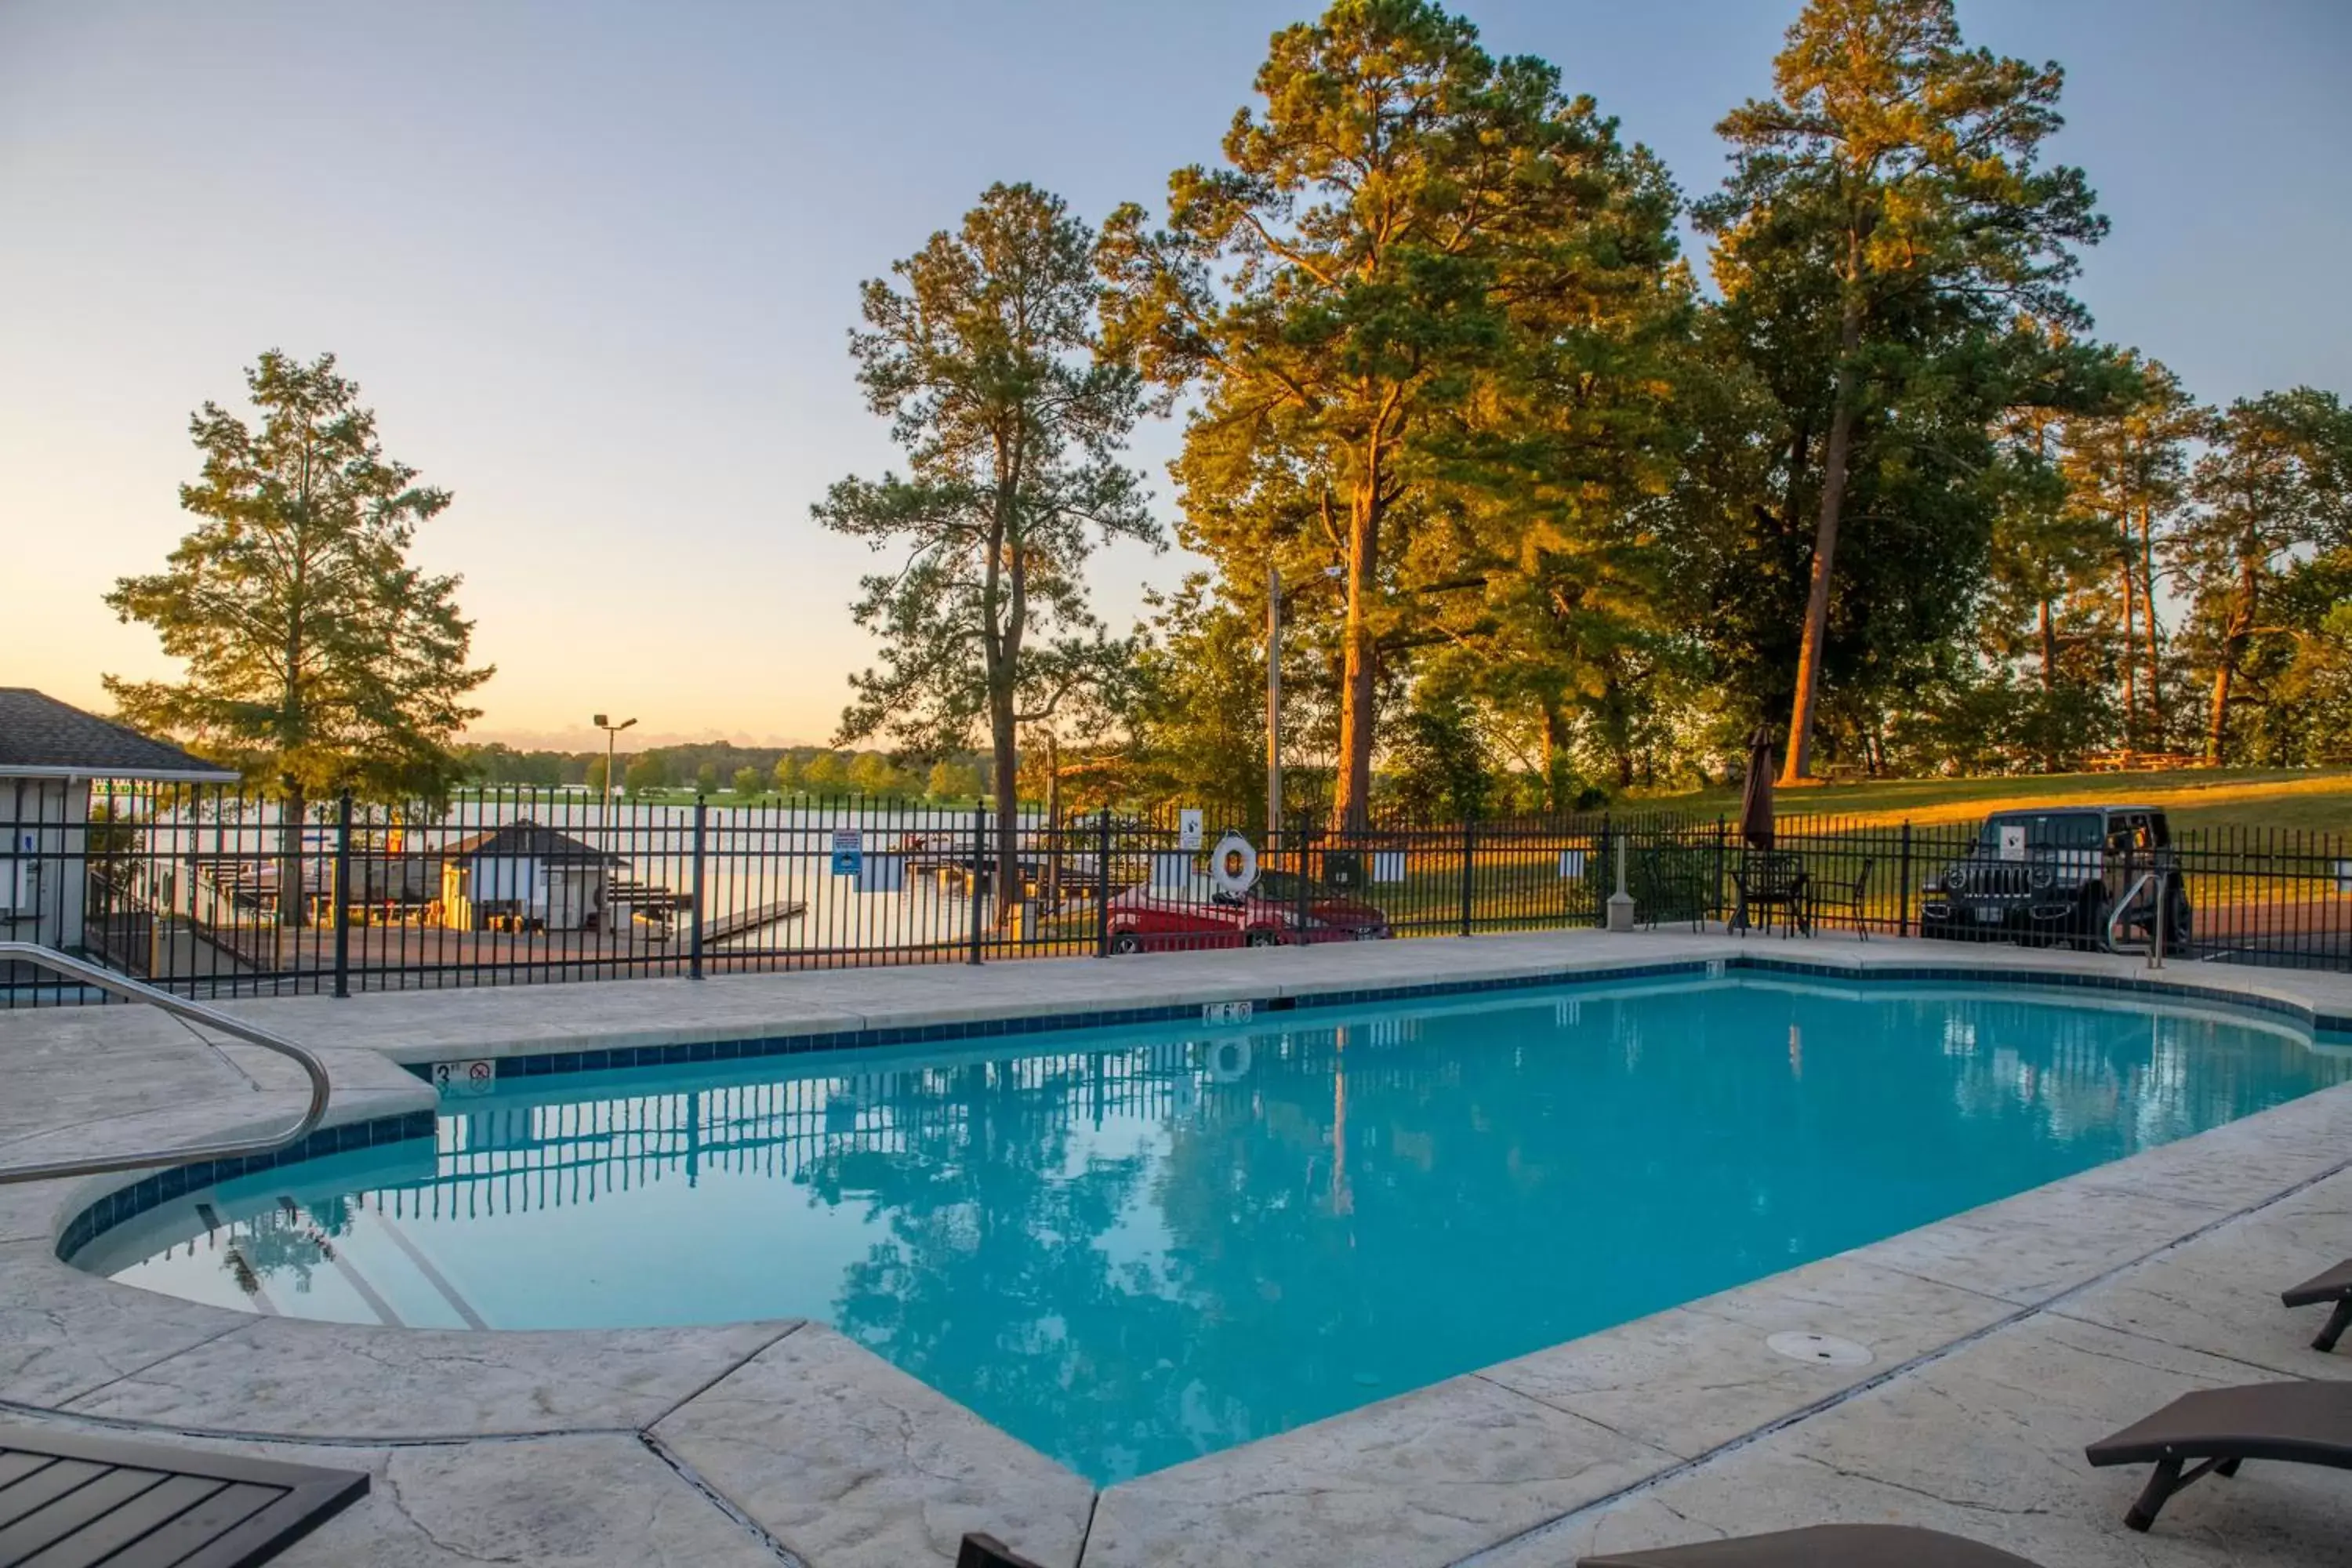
(2001, 1339)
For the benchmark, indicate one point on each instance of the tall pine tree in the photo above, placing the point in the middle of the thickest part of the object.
(1344, 289)
(318, 658)
(1887, 221)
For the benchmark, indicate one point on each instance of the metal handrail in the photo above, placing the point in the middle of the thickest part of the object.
(2123, 905)
(130, 990)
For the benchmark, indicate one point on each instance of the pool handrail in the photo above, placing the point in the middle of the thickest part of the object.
(180, 1007)
(2150, 881)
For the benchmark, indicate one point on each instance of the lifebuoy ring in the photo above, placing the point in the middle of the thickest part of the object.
(1229, 1060)
(1233, 864)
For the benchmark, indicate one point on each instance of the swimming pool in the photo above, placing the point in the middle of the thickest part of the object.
(1130, 1246)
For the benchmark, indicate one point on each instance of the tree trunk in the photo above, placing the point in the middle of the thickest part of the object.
(2234, 648)
(1553, 726)
(292, 913)
(2128, 662)
(2155, 633)
(1352, 798)
(1002, 742)
(2217, 722)
(1799, 763)
(2049, 651)
(1053, 821)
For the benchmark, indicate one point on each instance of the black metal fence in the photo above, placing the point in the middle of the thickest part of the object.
(210, 893)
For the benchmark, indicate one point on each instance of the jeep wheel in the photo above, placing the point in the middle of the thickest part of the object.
(2180, 921)
(1125, 941)
(2091, 918)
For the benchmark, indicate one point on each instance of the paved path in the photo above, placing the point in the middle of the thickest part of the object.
(2002, 1340)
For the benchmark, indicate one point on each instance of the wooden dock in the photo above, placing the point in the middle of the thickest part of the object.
(743, 923)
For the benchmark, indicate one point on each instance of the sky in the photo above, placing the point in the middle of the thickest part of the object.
(593, 266)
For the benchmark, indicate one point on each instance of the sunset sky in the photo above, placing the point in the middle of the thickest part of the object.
(593, 266)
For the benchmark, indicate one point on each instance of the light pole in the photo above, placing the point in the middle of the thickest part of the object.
(612, 785)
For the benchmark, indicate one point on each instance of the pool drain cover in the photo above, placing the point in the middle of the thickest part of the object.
(1821, 1350)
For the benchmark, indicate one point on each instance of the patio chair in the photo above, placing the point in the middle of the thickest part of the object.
(1660, 894)
(1845, 896)
(1767, 882)
(2215, 1430)
(986, 1551)
(2336, 1286)
(1822, 1546)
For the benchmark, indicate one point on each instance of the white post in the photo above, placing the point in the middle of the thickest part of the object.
(1621, 902)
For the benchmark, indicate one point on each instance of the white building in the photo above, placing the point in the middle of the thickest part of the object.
(49, 753)
(524, 874)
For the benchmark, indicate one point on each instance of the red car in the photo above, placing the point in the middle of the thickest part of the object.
(1204, 915)
(1332, 915)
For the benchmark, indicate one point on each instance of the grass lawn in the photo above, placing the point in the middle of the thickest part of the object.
(2319, 800)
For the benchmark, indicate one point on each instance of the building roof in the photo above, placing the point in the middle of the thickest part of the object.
(523, 838)
(41, 737)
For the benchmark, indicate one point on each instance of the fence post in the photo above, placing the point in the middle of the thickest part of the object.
(693, 937)
(344, 895)
(979, 860)
(1468, 849)
(1902, 887)
(1102, 885)
(1299, 891)
(1722, 854)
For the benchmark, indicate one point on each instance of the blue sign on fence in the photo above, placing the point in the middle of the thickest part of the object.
(849, 851)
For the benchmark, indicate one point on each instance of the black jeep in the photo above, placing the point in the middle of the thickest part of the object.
(2055, 878)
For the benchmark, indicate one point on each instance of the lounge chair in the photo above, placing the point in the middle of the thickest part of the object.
(2220, 1428)
(986, 1551)
(2336, 1286)
(1821, 1546)
(69, 1498)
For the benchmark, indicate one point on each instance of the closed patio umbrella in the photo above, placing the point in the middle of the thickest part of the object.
(1756, 795)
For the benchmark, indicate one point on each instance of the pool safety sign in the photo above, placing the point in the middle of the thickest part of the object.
(849, 851)
(1190, 831)
(2012, 841)
(474, 1077)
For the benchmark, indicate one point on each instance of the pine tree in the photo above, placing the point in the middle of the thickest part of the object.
(1887, 221)
(2126, 475)
(1372, 259)
(316, 657)
(2275, 481)
(985, 357)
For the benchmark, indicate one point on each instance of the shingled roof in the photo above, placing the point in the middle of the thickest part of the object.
(524, 838)
(41, 737)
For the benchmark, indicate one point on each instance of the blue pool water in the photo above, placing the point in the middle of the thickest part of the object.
(1131, 1247)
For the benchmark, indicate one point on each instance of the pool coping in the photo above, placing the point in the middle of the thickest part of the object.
(1529, 1441)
